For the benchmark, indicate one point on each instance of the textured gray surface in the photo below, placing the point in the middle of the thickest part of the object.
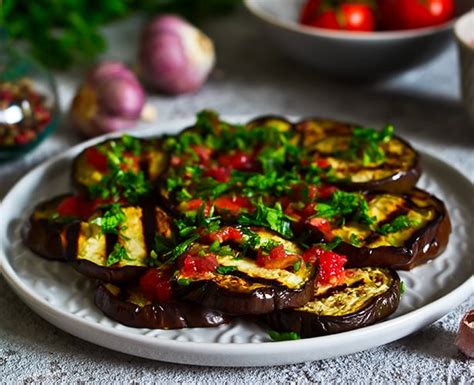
(253, 78)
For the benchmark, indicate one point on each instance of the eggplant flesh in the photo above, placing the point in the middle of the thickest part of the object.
(398, 172)
(249, 288)
(130, 307)
(364, 297)
(89, 250)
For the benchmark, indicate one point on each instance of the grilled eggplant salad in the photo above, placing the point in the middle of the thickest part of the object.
(298, 225)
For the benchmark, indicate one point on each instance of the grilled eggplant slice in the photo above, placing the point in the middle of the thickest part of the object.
(48, 222)
(358, 163)
(120, 255)
(365, 296)
(46, 234)
(422, 237)
(240, 286)
(143, 159)
(130, 307)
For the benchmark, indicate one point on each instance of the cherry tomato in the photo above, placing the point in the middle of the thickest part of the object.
(418, 13)
(156, 285)
(309, 10)
(346, 16)
(410, 14)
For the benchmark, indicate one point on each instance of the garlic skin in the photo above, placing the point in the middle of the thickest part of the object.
(465, 338)
(111, 99)
(174, 56)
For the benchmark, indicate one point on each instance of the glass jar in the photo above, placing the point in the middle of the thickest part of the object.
(29, 109)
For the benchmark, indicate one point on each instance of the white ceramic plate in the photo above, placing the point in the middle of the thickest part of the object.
(64, 298)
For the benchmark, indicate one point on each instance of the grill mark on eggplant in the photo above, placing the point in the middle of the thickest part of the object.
(340, 288)
(110, 240)
(263, 281)
(149, 226)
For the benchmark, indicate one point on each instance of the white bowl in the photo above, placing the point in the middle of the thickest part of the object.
(464, 31)
(352, 55)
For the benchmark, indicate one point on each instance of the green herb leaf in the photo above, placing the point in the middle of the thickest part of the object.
(111, 220)
(401, 222)
(402, 287)
(283, 336)
(118, 253)
(225, 269)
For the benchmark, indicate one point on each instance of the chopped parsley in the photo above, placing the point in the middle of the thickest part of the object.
(283, 336)
(111, 220)
(118, 254)
(344, 205)
(365, 144)
(401, 222)
(269, 217)
(354, 240)
(225, 269)
(402, 287)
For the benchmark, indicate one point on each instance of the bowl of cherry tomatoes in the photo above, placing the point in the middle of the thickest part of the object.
(359, 39)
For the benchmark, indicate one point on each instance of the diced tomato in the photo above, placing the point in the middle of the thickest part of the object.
(331, 265)
(227, 233)
(309, 11)
(221, 174)
(238, 160)
(277, 258)
(194, 204)
(175, 160)
(322, 163)
(96, 159)
(203, 152)
(194, 265)
(323, 226)
(75, 206)
(156, 285)
(233, 204)
(325, 191)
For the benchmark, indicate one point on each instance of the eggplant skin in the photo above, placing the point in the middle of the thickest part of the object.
(427, 243)
(262, 300)
(308, 325)
(173, 315)
(45, 236)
